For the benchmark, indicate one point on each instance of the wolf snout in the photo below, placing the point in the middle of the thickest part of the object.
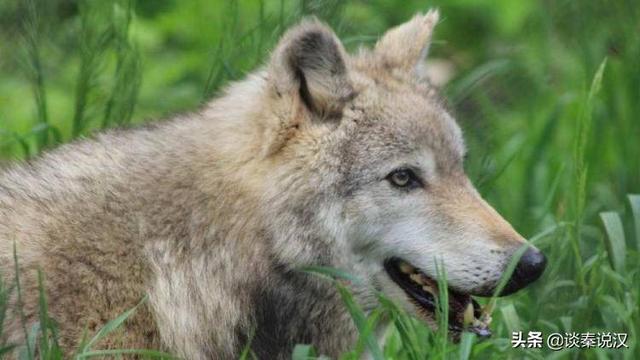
(529, 268)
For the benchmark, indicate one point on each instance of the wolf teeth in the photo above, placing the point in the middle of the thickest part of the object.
(406, 268)
(417, 278)
(429, 289)
(469, 317)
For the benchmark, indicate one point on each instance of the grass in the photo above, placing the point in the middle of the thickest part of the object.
(547, 93)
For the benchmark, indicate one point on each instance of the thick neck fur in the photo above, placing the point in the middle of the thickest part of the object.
(249, 274)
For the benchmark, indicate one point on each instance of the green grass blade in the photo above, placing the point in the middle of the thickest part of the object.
(5, 293)
(111, 326)
(596, 83)
(506, 275)
(466, 344)
(583, 133)
(510, 317)
(331, 273)
(32, 42)
(246, 351)
(360, 320)
(442, 308)
(614, 239)
(6, 350)
(28, 350)
(634, 201)
(20, 302)
(403, 325)
(303, 352)
(44, 317)
(110, 353)
(127, 78)
(95, 38)
(358, 316)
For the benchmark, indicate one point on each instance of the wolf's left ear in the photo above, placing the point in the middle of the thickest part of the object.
(405, 46)
(309, 63)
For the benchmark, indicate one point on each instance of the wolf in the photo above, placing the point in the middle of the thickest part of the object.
(318, 158)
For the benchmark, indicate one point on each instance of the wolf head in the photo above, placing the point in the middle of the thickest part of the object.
(363, 168)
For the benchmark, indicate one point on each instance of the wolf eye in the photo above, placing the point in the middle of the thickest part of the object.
(404, 178)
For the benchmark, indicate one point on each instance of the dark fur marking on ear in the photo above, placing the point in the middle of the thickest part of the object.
(314, 43)
(317, 55)
(305, 95)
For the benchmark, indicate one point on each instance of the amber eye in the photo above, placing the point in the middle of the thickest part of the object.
(403, 178)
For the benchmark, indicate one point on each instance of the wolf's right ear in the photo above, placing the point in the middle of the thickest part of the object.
(309, 64)
(405, 46)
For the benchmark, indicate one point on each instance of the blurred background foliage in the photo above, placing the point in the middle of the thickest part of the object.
(551, 145)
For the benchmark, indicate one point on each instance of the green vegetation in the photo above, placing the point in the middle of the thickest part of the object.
(548, 94)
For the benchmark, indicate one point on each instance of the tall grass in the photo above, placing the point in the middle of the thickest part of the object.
(547, 93)
(32, 33)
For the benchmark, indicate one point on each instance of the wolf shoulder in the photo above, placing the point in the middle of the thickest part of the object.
(118, 176)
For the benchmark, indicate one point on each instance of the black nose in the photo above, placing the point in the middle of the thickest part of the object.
(528, 270)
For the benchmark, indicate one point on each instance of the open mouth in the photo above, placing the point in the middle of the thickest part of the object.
(465, 314)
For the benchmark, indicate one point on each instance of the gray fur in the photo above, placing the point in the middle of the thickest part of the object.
(212, 213)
